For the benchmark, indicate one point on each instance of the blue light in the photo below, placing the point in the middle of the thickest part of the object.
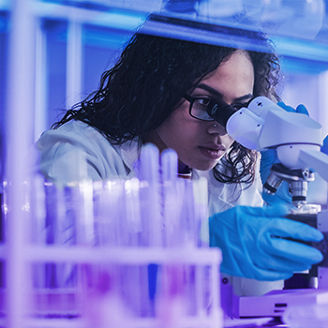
(305, 49)
(124, 20)
(108, 38)
(3, 23)
(302, 66)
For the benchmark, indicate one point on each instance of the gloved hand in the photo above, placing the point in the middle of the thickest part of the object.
(324, 147)
(253, 245)
(269, 157)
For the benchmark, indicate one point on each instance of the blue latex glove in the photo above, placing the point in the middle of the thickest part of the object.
(324, 147)
(269, 157)
(252, 245)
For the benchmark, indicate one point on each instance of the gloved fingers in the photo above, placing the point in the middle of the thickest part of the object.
(294, 251)
(254, 272)
(284, 227)
(268, 275)
(324, 147)
(302, 109)
(276, 212)
(285, 107)
(280, 264)
(242, 213)
(299, 109)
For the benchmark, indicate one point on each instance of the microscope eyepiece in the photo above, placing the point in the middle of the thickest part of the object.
(221, 111)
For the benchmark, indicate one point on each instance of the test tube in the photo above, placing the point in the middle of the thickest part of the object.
(65, 234)
(103, 306)
(85, 226)
(172, 198)
(113, 219)
(150, 200)
(132, 212)
(188, 218)
(171, 304)
(200, 196)
(38, 227)
(169, 165)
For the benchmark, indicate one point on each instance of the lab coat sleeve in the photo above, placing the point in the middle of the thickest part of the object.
(66, 163)
(76, 152)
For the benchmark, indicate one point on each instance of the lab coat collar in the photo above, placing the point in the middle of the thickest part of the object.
(130, 151)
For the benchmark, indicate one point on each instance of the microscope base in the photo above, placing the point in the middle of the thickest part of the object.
(275, 303)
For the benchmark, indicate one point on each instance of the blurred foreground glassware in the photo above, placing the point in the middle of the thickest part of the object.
(121, 253)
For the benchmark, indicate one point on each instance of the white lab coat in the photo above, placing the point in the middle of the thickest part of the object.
(75, 151)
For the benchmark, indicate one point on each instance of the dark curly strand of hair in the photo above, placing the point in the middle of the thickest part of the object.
(148, 83)
(267, 75)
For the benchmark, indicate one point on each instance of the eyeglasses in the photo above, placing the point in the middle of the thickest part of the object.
(201, 107)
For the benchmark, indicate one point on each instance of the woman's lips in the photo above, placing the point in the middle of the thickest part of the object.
(212, 153)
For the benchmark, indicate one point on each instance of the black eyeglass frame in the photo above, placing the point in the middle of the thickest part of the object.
(191, 101)
(226, 110)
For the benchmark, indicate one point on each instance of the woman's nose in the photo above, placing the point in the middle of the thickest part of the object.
(216, 128)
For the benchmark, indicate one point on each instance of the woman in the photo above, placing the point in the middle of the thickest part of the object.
(158, 92)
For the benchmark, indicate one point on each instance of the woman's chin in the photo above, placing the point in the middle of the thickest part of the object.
(205, 166)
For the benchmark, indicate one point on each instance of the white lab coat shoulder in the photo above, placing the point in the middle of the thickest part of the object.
(76, 151)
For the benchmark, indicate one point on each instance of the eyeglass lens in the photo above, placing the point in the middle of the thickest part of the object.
(200, 108)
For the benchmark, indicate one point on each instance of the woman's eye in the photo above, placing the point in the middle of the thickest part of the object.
(239, 105)
(203, 101)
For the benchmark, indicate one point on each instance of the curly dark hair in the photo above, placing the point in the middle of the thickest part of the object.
(149, 81)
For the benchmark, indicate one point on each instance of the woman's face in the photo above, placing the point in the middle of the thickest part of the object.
(200, 144)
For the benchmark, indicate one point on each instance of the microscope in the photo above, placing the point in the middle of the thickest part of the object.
(297, 140)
